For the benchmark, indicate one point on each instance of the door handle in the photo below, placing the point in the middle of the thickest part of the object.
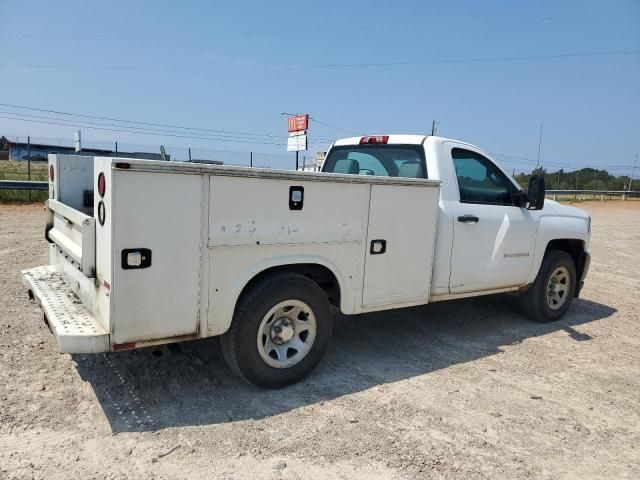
(468, 219)
(135, 258)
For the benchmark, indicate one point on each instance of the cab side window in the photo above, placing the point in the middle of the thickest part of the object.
(479, 180)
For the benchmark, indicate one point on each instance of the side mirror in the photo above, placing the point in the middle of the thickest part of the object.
(536, 193)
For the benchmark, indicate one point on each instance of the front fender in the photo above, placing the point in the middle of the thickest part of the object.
(556, 228)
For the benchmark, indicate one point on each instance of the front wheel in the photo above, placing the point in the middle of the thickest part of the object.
(551, 294)
(280, 330)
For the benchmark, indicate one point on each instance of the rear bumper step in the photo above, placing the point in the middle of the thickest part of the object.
(75, 328)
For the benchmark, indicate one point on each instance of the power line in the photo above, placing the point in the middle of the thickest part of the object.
(96, 117)
(223, 133)
(323, 28)
(321, 65)
(532, 161)
(219, 135)
(532, 166)
(73, 122)
(510, 158)
(471, 60)
(141, 132)
(76, 123)
(314, 119)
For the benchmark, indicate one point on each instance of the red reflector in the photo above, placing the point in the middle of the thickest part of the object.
(374, 139)
(51, 173)
(101, 184)
(123, 346)
(122, 165)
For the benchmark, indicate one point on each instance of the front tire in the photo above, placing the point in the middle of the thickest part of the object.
(551, 294)
(280, 330)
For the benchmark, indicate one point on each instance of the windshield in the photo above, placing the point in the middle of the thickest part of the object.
(379, 160)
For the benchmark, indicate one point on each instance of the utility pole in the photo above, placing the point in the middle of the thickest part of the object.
(189, 153)
(251, 159)
(539, 146)
(116, 149)
(433, 127)
(632, 170)
(29, 157)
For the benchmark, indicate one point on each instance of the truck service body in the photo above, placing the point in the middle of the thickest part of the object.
(148, 252)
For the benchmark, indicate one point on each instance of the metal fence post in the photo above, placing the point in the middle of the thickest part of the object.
(29, 162)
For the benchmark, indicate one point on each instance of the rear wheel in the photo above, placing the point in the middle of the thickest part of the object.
(551, 294)
(280, 330)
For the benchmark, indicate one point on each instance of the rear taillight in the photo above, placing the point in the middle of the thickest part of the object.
(101, 213)
(101, 184)
(374, 139)
(51, 173)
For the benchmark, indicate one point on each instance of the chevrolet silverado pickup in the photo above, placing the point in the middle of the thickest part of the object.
(147, 252)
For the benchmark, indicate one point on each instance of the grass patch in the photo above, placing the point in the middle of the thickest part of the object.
(19, 171)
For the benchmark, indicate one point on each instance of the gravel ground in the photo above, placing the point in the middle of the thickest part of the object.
(464, 389)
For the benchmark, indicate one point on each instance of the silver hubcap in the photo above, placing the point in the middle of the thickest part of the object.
(286, 333)
(558, 288)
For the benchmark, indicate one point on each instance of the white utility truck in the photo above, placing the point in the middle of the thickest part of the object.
(149, 252)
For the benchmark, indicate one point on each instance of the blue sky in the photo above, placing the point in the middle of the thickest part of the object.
(234, 65)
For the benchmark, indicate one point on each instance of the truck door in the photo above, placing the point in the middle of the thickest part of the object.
(493, 239)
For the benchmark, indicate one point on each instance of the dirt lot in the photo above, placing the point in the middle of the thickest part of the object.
(465, 389)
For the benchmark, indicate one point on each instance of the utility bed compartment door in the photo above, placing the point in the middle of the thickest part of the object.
(160, 213)
(400, 241)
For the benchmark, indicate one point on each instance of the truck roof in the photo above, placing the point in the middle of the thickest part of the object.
(402, 139)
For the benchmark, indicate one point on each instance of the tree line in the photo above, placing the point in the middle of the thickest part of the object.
(583, 179)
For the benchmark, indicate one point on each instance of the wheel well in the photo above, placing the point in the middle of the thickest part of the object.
(573, 247)
(320, 274)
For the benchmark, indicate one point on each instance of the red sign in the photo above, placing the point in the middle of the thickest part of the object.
(298, 123)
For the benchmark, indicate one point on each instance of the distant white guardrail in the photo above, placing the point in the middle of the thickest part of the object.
(593, 194)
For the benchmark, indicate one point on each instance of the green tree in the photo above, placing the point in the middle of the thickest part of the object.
(583, 179)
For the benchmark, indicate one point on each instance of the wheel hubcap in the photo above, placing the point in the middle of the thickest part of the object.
(286, 333)
(282, 331)
(558, 288)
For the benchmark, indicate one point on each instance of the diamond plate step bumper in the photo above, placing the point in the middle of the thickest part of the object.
(75, 328)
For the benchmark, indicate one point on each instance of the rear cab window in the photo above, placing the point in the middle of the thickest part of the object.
(378, 160)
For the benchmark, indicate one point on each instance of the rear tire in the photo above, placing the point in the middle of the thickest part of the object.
(280, 330)
(551, 294)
